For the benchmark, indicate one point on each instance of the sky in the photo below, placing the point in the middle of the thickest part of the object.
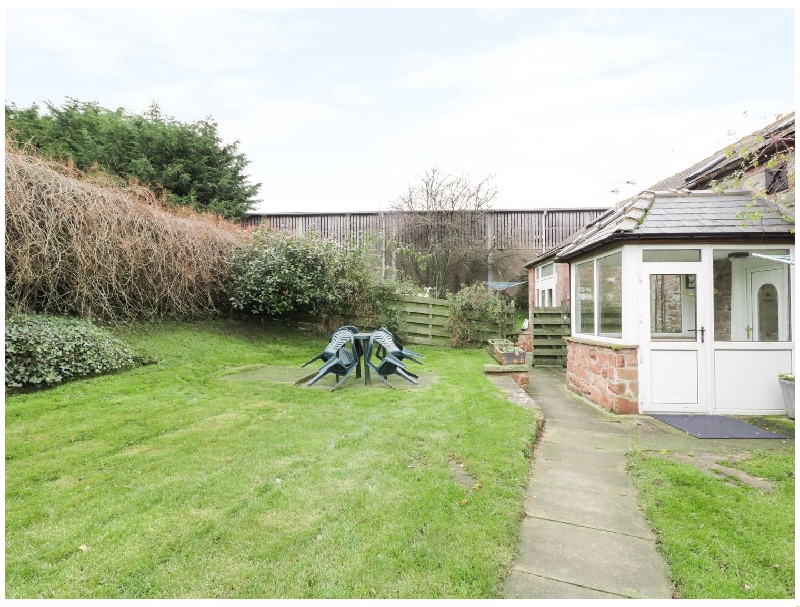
(341, 109)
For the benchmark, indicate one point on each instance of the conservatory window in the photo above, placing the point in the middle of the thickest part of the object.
(598, 296)
(752, 296)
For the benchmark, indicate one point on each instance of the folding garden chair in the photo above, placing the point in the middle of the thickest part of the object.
(399, 351)
(389, 364)
(337, 358)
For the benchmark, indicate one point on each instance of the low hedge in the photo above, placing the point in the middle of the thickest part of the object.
(47, 350)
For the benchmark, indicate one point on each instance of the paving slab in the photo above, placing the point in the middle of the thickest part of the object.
(589, 507)
(578, 455)
(584, 475)
(591, 440)
(590, 558)
(523, 585)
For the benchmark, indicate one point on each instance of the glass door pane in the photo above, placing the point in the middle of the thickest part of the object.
(673, 307)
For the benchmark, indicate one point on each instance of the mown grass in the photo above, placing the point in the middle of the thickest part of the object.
(722, 539)
(171, 481)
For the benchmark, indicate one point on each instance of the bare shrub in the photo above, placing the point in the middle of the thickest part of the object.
(76, 247)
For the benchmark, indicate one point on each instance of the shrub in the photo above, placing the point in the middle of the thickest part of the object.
(473, 310)
(76, 248)
(46, 350)
(277, 273)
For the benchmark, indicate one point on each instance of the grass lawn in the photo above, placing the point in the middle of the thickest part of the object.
(722, 538)
(172, 480)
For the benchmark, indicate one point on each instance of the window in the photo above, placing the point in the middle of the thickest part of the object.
(550, 301)
(767, 310)
(610, 291)
(776, 180)
(752, 295)
(547, 270)
(584, 297)
(657, 255)
(673, 307)
(598, 296)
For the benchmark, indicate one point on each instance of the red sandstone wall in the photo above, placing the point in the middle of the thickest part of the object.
(525, 341)
(562, 284)
(607, 377)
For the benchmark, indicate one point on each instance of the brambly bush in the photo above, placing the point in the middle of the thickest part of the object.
(46, 350)
(472, 310)
(79, 246)
(278, 273)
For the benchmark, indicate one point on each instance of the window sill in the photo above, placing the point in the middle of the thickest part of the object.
(603, 344)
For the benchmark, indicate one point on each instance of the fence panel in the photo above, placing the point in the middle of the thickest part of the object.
(550, 327)
(423, 321)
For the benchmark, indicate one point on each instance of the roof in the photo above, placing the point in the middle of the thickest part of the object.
(709, 222)
(728, 159)
(702, 214)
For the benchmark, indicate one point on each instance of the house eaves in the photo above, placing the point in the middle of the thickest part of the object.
(684, 216)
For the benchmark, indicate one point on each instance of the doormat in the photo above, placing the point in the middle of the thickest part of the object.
(715, 426)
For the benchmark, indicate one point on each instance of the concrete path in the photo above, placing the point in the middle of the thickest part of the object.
(583, 535)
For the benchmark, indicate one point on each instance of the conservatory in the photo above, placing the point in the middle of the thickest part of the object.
(680, 306)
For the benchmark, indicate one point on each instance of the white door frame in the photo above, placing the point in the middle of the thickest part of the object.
(671, 355)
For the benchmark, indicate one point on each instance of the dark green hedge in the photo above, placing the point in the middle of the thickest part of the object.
(46, 350)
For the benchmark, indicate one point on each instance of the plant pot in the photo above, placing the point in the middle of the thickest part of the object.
(787, 387)
(497, 345)
(510, 356)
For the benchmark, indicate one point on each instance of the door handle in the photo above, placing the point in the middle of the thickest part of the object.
(702, 334)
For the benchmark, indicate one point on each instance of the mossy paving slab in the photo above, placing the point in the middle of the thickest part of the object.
(299, 377)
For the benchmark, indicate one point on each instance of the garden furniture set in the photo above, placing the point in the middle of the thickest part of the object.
(348, 347)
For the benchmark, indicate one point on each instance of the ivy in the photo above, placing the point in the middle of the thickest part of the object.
(47, 350)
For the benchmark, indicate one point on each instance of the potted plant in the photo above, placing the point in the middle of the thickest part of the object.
(786, 380)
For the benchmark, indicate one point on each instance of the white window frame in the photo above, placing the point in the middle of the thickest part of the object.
(595, 335)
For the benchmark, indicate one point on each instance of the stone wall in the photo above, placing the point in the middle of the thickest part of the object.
(562, 284)
(606, 375)
(723, 284)
(666, 303)
(525, 341)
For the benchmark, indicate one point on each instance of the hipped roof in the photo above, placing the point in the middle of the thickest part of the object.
(681, 215)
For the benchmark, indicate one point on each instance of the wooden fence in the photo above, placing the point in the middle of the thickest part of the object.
(550, 327)
(500, 230)
(423, 321)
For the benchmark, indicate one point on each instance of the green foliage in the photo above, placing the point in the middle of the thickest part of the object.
(277, 273)
(187, 162)
(46, 350)
(472, 310)
(722, 539)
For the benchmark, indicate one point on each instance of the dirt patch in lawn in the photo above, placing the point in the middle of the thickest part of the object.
(708, 462)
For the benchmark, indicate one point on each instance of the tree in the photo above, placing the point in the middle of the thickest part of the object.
(438, 220)
(186, 162)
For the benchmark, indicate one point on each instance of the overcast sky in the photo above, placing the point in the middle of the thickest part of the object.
(338, 110)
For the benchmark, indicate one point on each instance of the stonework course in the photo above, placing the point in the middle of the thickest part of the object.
(607, 376)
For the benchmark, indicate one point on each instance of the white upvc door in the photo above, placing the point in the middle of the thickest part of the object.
(675, 338)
